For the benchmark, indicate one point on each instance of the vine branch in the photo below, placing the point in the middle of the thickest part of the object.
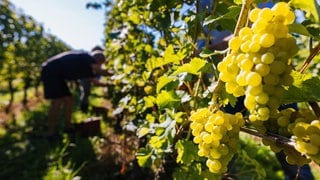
(314, 51)
(270, 136)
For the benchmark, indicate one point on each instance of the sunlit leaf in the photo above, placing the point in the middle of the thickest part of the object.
(193, 67)
(311, 8)
(187, 152)
(167, 99)
(144, 157)
(232, 14)
(299, 29)
(142, 132)
(163, 81)
(305, 88)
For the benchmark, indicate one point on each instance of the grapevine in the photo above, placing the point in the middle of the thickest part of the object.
(192, 85)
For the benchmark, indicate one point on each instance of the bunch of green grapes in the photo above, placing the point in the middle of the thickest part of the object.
(259, 65)
(217, 136)
(303, 131)
(307, 139)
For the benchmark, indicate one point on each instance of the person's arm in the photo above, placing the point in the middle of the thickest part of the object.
(105, 72)
(99, 71)
(96, 82)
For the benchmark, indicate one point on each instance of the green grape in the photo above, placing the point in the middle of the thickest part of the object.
(315, 139)
(234, 43)
(267, 40)
(250, 102)
(262, 69)
(277, 67)
(256, 60)
(197, 139)
(283, 121)
(254, 90)
(300, 129)
(232, 68)
(241, 78)
(239, 91)
(246, 64)
(223, 149)
(253, 79)
(222, 66)
(267, 58)
(266, 14)
(269, 89)
(315, 123)
(245, 31)
(254, 47)
(262, 98)
(290, 18)
(245, 46)
(271, 79)
(264, 113)
(313, 130)
(225, 76)
(281, 8)
(253, 15)
(214, 165)
(231, 87)
(311, 149)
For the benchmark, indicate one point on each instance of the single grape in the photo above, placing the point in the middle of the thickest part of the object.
(262, 69)
(253, 15)
(267, 58)
(267, 40)
(253, 79)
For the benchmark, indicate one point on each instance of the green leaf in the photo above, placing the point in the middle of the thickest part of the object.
(149, 101)
(163, 81)
(172, 57)
(299, 29)
(144, 157)
(305, 88)
(310, 7)
(231, 14)
(143, 131)
(193, 67)
(167, 99)
(169, 56)
(187, 152)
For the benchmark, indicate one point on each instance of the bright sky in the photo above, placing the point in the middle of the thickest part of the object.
(69, 20)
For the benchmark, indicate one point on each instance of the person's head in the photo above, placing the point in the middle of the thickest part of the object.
(99, 56)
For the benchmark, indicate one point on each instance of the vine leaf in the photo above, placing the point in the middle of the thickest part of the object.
(305, 88)
(144, 157)
(163, 81)
(231, 14)
(187, 152)
(167, 99)
(311, 7)
(300, 29)
(193, 67)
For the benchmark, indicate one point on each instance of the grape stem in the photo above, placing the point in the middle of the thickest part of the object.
(279, 140)
(313, 53)
(242, 20)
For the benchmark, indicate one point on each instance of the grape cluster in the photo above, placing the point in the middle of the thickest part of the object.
(307, 139)
(217, 136)
(259, 65)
